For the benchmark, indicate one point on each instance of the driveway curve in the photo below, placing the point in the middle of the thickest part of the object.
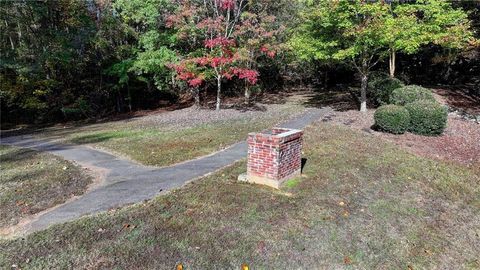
(126, 182)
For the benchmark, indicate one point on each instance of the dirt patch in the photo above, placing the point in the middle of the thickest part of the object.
(458, 99)
(459, 143)
(340, 98)
(33, 181)
(97, 176)
(183, 113)
(190, 117)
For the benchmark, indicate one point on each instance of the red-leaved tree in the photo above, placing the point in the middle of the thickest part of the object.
(218, 38)
(257, 33)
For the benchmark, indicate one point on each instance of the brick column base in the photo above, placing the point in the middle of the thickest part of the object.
(274, 157)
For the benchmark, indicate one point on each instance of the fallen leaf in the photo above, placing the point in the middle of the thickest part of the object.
(347, 260)
(128, 226)
(189, 211)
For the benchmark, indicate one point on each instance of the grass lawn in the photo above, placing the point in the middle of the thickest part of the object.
(33, 181)
(159, 144)
(157, 147)
(361, 204)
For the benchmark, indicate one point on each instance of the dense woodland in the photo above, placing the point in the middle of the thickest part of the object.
(68, 60)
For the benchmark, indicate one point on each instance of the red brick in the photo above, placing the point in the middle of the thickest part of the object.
(274, 155)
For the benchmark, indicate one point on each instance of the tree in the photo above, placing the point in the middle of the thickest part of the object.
(155, 45)
(411, 25)
(44, 47)
(348, 31)
(216, 60)
(258, 37)
(227, 37)
(114, 45)
(208, 28)
(402, 32)
(121, 70)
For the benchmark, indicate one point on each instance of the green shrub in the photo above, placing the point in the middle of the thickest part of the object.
(392, 118)
(381, 88)
(409, 94)
(427, 117)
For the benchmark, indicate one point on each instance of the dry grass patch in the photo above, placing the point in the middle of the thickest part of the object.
(162, 147)
(33, 181)
(172, 137)
(362, 204)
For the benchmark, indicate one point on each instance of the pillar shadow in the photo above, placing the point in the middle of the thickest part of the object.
(304, 161)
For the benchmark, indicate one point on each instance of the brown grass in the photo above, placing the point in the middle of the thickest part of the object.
(32, 181)
(362, 204)
(172, 137)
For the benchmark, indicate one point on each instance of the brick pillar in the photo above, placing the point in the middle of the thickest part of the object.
(274, 157)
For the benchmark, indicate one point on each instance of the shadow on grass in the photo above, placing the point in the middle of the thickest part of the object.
(304, 162)
(8, 130)
(17, 155)
(252, 107)
(338, 98)
(20, 177)
(99, 137)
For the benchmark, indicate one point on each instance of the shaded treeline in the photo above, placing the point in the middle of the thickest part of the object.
(67, 60)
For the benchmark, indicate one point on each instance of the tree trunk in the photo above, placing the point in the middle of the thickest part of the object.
(391, 62)
(247, 93)
(196, 96)
(205, 97)
(325, 80)
(129, 98)
(363, 93)
(11, 42)
(10, 37)
(119, 103)
(219, 91)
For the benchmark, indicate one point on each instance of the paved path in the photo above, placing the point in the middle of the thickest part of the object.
(127, 182)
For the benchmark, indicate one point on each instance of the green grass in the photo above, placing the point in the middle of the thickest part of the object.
(32, 181)
(161, 147)
(151, 142)
(291, 183)
(362, 204)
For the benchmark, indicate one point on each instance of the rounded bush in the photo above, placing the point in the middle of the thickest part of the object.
(427, 117)
(381, 88)
(409, 94)
(392, 118)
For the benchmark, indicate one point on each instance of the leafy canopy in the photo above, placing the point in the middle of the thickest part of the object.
(156, 42)
(411, 25)
(338, 30)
